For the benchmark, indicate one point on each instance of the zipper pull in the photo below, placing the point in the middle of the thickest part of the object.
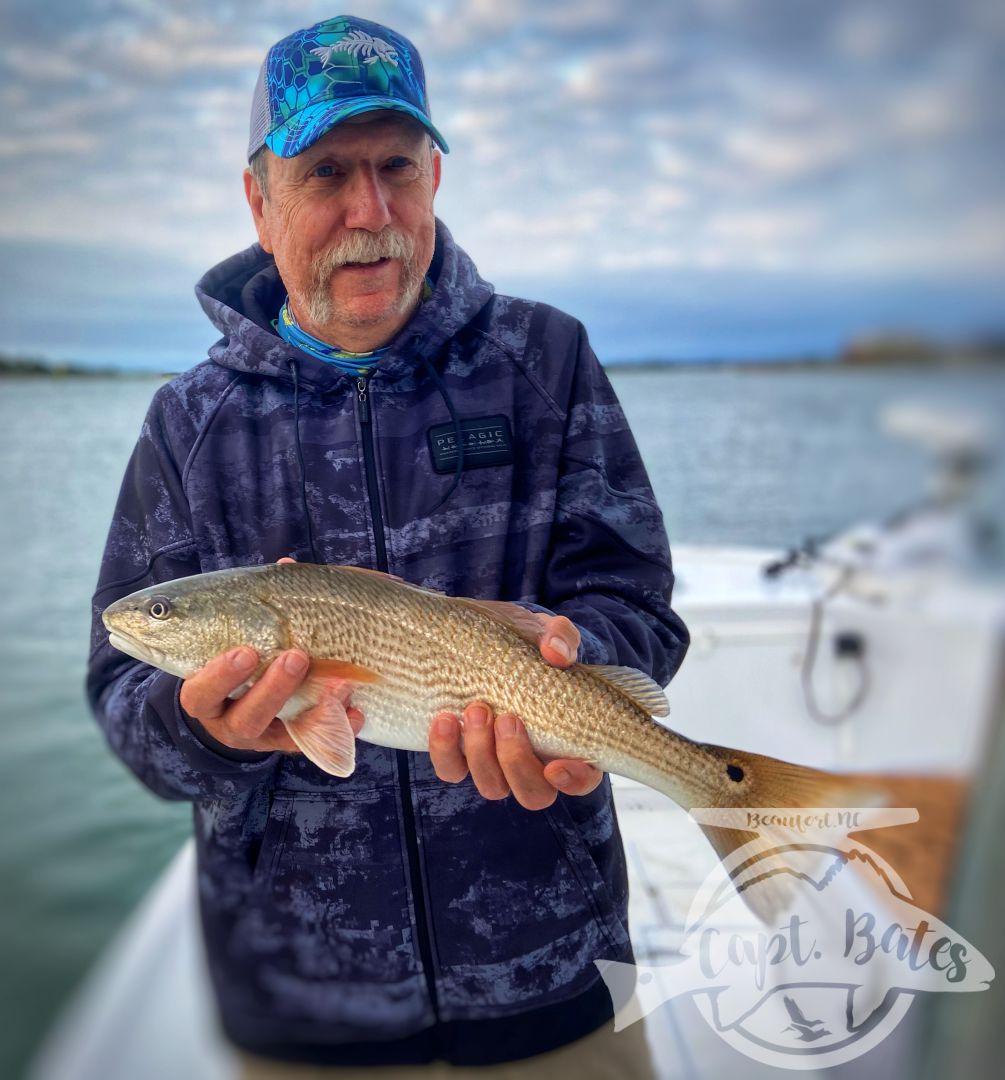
(364, 401)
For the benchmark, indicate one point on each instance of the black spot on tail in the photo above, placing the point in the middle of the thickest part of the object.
(734, 772)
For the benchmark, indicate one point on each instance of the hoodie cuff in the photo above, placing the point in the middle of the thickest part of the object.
(199, 748)
(591, 649)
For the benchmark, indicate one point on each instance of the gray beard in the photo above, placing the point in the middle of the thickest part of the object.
(362, 246)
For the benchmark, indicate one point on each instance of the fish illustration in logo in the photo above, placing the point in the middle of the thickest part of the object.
(359, 43)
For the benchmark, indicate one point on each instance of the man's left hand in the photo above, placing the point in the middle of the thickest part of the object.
(497, 751)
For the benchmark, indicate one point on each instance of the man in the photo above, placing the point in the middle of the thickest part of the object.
(372, 402)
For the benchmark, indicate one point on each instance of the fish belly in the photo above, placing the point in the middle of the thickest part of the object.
(392, 720)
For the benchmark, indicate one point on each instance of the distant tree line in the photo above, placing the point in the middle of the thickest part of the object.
(36, 365)
(910, 348)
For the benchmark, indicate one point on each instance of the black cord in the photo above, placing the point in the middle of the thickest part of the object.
(810, 660)
(458, 430)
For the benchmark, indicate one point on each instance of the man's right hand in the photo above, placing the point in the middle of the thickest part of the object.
(249, 723)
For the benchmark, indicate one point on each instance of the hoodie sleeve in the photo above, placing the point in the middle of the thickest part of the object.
(609, 568)
(151, 540)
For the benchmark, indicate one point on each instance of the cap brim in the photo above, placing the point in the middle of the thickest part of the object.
(304, 128)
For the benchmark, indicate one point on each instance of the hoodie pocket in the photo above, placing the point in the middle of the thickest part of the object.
(519, 908)
(331, 890)
(607, 894)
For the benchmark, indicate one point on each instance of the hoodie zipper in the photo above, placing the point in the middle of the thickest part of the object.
(370, 467)
(404, 773)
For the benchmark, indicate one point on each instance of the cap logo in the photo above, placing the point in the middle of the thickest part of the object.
(359, 43)
(318, 77)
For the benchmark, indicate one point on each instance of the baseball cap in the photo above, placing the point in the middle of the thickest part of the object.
(315, 78)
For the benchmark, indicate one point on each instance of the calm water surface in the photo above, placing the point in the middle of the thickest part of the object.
(735, 457)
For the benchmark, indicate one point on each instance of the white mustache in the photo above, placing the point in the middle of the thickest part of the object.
(360, 246)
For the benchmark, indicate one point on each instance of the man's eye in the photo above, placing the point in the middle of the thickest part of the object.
(324, 170)
(399, 163)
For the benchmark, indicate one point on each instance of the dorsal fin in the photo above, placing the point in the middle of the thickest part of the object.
(519, 619)
(635, 686)
(399, 581)
(373, 573)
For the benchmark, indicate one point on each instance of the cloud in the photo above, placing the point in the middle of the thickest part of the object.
(590, 137)
(47, 144)
(866, 33)
(773, 154)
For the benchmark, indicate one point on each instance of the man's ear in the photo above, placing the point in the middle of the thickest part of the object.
(256, 200)
(437, 162)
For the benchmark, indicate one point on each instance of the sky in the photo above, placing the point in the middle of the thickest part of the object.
(693, 180)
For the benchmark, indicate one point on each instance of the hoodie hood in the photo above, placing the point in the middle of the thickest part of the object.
(242, 295)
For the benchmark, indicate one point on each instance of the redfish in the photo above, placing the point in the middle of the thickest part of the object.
(404, 653)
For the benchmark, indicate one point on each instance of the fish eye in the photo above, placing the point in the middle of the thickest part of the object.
(159, 607)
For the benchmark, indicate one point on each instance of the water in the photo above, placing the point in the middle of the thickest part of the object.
(772, 457)
(759, 457)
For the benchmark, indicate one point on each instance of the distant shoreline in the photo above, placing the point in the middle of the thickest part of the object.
(949, 362)
(35, 367)
(854, 358)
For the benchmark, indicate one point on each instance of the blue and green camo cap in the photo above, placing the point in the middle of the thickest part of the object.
(316, 78)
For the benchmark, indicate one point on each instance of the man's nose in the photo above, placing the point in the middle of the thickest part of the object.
(366, 206)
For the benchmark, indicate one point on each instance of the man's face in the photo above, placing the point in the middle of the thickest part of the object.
(350, 224)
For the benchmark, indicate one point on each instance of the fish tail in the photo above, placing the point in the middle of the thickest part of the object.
(753, 781)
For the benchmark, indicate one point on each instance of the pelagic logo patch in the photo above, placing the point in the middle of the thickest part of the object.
(488, 440)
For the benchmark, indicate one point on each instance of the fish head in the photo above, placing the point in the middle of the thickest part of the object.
(180, 625)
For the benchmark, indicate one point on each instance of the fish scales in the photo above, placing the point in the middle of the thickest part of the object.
(436, 655)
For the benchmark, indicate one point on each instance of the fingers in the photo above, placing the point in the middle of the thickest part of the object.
(521, 767)
(452, 763)
(445, 752)
(204, 695)
(480, 752)
(559, 641)
(252, 714)
(572, 776)
(502, 760)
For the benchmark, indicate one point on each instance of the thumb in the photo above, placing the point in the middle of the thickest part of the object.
(559, 641)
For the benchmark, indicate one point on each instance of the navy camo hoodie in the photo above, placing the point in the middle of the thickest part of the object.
(390, 917)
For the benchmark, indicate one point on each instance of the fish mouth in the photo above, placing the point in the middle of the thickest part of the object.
(135, 648)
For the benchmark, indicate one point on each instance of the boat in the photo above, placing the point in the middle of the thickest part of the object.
(879, 651)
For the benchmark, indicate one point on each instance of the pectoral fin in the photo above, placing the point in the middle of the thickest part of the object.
(325, 735)
(316, 717)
